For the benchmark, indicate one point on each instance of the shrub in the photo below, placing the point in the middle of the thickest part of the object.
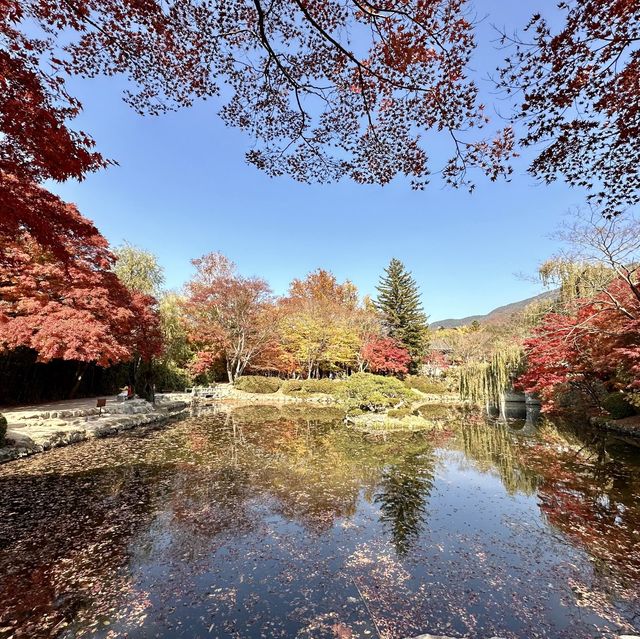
(425, 385)
(400, 412)
(3, 428)
(617, 406)
(311, 386)
(634, 399)
(169, 377)
(437, 411)
(258, 384)
(375, 393)
(293, 386)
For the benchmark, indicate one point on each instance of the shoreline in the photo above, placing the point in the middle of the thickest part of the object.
(37, 429)
(626, 426)
(41, 431)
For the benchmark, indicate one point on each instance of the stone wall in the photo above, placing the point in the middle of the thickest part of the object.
(49, 429)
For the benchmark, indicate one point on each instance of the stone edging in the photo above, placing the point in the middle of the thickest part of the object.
(615, 426)
(50, 432)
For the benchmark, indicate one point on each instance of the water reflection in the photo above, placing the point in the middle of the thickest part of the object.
(493, 448)
(266, 521)
(402, 495)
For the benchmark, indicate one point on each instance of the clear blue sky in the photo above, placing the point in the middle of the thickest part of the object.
(182, 189)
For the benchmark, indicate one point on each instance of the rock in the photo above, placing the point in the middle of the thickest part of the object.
(44, 431)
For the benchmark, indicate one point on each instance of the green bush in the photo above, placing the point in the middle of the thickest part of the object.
(437, 411)
(311, 386)
(258, 384)
(617, 406)
(169, 377)
(3, 428)
(633, 399)
(400, 412)
(425, 385)
(375, 393)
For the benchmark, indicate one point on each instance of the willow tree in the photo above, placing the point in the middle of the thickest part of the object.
(486, 381)
(596, 252)
(139, 270)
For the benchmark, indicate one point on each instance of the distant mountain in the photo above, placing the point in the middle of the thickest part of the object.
(497, 314)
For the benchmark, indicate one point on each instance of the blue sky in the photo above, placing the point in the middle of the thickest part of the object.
(182, 189)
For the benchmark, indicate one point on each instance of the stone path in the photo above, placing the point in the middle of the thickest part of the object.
(34, 429)
(17, 415)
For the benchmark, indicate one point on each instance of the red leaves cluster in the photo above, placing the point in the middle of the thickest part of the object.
(579, 94)
(596, 342)
(385, 355)
(230, 317)
(73, 308)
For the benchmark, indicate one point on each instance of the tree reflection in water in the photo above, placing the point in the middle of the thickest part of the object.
(402, 496)
(281, 522)
(494, 448)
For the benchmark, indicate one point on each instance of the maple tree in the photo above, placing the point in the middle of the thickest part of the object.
(577, 93)
(591, 340)
(596, 345)
(36, 143)
(326, 89)
(229, 316)
(385, 355)
(72, 309)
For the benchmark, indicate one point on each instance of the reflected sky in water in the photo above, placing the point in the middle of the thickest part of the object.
(267, 522)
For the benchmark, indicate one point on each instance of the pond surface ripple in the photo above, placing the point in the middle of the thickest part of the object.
(263, 522)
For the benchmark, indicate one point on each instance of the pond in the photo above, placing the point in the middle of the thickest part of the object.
(255, 521)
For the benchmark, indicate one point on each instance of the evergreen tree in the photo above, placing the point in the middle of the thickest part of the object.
(399, 303)
(402, 495)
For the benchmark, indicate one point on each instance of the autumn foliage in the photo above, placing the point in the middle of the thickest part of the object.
(577, 97)
(385, 355)
(229, 316)
(326, 90)
(73, 308)
(320, 328)
(594, 344)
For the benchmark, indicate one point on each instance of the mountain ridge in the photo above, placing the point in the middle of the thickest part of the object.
(497, 314)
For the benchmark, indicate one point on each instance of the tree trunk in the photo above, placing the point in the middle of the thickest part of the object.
(82, 368)
(145, 386)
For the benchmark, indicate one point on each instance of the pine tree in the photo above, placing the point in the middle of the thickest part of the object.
(399, 303)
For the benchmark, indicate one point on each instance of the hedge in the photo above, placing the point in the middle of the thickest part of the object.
(311, 386)
(258, 384)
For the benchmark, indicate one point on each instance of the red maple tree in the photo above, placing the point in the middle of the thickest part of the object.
(385, 355)
(229, 316)
(577, 91)
(595, 343)
(75, 308)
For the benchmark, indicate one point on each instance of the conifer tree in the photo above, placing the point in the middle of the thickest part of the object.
(399, 304)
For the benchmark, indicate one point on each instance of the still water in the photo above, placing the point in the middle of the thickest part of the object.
(259, 522)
